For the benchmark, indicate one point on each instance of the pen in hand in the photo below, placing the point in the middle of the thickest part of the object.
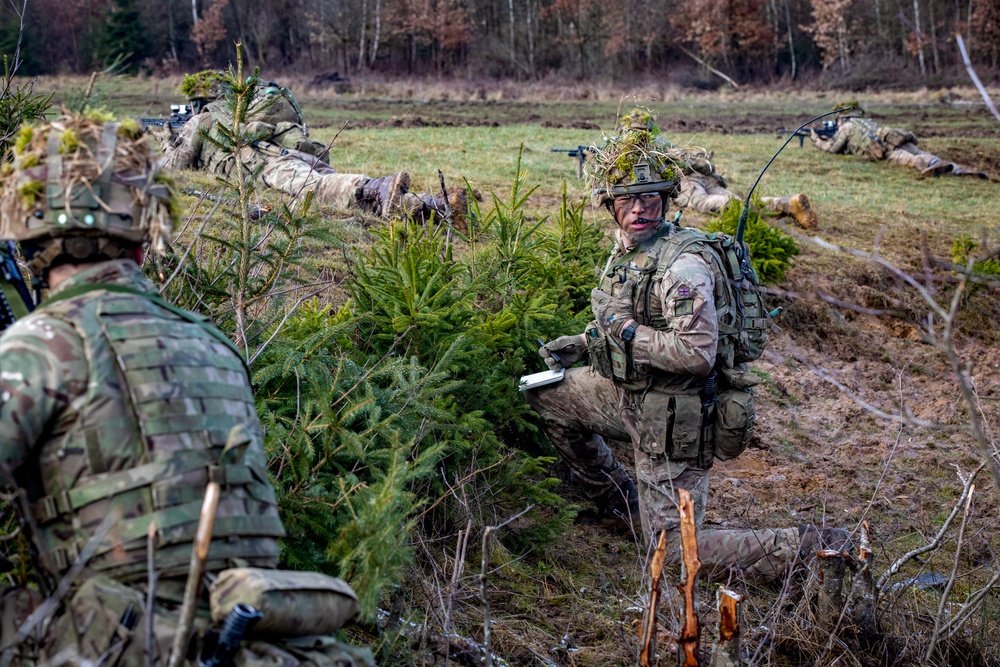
(555, 357)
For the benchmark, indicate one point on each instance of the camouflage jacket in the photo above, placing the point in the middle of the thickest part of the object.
(855, 136)
(110, 401)
(274, 120)
(678, 332)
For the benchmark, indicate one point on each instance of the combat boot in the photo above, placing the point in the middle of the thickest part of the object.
(959, 170)
(618, 505)
(798, 208)
(457, 207)
(938, 168)
(813, 539)
(382, 196)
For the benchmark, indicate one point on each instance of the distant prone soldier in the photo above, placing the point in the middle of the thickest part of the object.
(294, 163)
(705, 190)
(866, 138)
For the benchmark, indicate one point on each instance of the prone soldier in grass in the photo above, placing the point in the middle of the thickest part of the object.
(866, 138)
(117, 412)
(667, 371)
(288, 159)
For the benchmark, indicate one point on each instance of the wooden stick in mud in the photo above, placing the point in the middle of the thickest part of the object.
(726, 652)
(830, 601)
(647, 650)
(691, 629)
(199, 557)
(864, 595)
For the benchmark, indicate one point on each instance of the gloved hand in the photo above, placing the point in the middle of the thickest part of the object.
(569, 350)
(612, 313)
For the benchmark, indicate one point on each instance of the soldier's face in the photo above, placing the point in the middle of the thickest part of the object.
(639, 216)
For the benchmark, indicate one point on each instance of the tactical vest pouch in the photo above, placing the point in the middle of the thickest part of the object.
(756, 324)
(600, 357)
(734, 419)
(671, 426)
(894, 137)
(294, 604)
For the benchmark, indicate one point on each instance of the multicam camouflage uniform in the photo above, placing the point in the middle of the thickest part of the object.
(291, 162)
(653, 409)
(116, 405)
(864, 137)
(705, 190)
(295, 164)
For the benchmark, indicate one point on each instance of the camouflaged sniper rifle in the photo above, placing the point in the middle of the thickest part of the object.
(179, 114)
(827, 130)
(15, 297)
(581, 153)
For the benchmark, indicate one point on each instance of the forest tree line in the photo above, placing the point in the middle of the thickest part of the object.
(748, 40)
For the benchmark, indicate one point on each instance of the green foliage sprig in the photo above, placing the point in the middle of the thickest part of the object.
(771, 249)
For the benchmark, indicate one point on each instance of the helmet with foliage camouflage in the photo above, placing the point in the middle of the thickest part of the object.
(634, 161)
(83, 188)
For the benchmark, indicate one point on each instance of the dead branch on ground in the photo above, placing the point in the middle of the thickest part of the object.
(647, 643)
(691, 629)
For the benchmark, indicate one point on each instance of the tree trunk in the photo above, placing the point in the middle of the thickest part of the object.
(864, 594)
(194, 11)
(830, 601)
(917, 34)
(510, 15)
(361, 39)
(378, 33)
(170, 31)
(791, 44)
(934, 46)
(531, 39)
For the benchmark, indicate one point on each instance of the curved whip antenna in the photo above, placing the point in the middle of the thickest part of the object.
(745, 213)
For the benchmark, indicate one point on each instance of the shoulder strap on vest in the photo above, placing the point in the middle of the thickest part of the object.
(672, 246)
(78, 290)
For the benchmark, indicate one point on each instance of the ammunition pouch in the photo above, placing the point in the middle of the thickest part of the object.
(673, 426)
(894, 137)
(612, 357)
(734, 420)
(600, 356)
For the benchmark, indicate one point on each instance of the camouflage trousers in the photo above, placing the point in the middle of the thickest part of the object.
(585, 408)
(89, 628)
(296, 173)
(908, 155)
(704, 194)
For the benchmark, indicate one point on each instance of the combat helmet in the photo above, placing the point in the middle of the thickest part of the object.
(633, 161)
(82, 189)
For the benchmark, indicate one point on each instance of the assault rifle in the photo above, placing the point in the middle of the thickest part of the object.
(581, 153)
(827, 130)
(179, 114)
(15, 297)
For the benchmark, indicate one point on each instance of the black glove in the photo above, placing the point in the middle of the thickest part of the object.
(612, 313)
(568, 349)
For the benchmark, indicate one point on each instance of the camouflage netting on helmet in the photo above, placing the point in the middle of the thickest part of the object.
(104, 183)
(204, 84)
(613, 167)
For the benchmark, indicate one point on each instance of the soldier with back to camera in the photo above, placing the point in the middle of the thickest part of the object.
(118, 411)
